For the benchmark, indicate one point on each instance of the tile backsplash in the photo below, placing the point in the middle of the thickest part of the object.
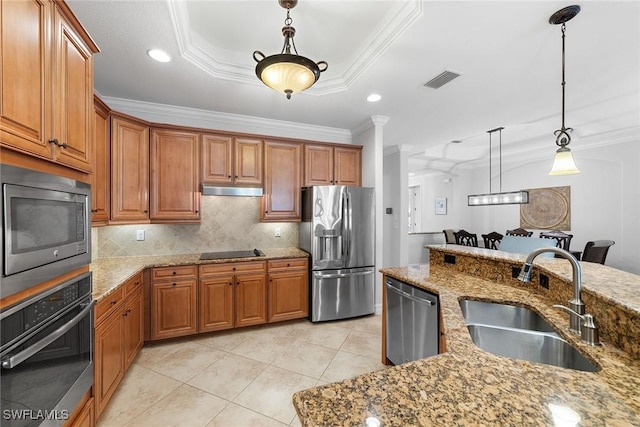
(228, 223)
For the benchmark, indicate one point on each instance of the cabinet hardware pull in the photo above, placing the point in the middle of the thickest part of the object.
(57, 143)
(145, 211)
(196, 211)
(113, 302)
(174, 284)
(174, 273)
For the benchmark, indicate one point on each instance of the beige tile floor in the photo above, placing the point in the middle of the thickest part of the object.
(244, 377)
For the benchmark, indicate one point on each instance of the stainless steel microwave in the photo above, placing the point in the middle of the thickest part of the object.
(46, 227)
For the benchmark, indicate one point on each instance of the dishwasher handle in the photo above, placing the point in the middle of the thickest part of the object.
(390, 287)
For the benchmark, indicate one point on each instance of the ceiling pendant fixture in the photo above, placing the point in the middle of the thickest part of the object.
(563, 163)
(288, 72)
(502, 198)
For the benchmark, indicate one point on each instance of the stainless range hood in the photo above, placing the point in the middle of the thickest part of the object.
(213, 190)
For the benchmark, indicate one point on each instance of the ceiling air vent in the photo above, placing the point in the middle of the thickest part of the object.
(441, 79)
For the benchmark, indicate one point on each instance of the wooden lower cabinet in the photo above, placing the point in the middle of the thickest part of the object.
(251, 299)
(133, 326)
(86, 417)
(108, 358)
(232, 295)
(216, 303)
(288, 289)
(119, 335)
(174, 302)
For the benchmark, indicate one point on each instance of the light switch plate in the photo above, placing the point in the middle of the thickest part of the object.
(277, 233)
(139, 235)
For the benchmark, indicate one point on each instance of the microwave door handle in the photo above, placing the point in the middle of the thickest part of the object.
(18, 358)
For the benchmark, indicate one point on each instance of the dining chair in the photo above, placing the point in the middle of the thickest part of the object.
(519, 232)
(596, 251)
(492, 240)
(563, 240)
(465, 238)
(449, 236)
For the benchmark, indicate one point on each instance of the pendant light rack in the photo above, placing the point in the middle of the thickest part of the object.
(500, 198)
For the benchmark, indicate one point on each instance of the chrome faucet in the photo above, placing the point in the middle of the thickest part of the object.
(576, 305)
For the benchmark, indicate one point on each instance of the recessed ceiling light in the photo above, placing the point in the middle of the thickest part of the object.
(159, 55)
(374, 97)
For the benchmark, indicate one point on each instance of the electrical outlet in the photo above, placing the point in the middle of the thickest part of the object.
(139, 235)
(277, 232)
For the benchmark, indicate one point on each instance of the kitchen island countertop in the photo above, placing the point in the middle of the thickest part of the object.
(468, 386)
(109, 273)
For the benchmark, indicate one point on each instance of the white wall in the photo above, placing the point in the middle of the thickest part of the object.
(605, 198)
(439, 185)
(395, 226)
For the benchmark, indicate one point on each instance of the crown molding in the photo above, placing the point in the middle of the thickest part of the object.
(183, 116)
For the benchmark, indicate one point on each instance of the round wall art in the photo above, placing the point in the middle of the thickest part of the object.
(548, 209)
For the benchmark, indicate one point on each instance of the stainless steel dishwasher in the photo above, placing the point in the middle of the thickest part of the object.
(412, 322)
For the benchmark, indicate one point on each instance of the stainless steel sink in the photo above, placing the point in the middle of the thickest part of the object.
(496, 314)
(536, 347)
(517, 332)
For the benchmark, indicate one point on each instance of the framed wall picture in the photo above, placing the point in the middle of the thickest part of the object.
(441, 205)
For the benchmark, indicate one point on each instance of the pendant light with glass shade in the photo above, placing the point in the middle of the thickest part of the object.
(288, 72)
(563, 163)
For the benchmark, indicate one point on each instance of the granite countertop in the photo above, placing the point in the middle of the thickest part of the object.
(468, 386)
(109, 273)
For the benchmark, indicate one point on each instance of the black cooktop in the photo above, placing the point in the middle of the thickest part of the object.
(231, 254)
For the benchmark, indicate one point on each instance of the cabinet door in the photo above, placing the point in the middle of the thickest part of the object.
(248, 162)
(217, 159)
(133, 326)
(73, 96)
(101, 176)
(216, 303)
(108, 358)
(288, 295)
(318, 165)
(174, 310)
(86, 417)
(250, 299)
(281, 199)
(348, 166)
(175, 174)
(129, 171)
(25, 52)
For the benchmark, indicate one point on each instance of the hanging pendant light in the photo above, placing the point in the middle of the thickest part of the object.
(288, 72)
(563, 163)
(519, 197)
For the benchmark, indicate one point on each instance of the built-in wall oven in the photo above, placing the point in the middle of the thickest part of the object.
(46, 227)
(46, 355)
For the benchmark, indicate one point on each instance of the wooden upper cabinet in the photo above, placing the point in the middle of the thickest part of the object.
(318, 165)
(26, 66)
(129, 170)
(73, 96)
(327, 165)
(101, 176)
(47, 82)
(175, 173)
(227, 160)
(283, 178)
(347, 166)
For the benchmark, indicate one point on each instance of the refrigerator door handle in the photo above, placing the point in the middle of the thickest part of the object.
(336, 276)
(347, 221)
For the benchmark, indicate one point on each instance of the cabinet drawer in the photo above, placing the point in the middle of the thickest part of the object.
(232, 267)
(281, 264)
(108, 304)
(177, 272)
(133, 284)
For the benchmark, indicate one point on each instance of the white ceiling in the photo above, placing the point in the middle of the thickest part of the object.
(507, 52)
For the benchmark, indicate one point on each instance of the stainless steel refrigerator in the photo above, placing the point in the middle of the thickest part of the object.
(338, 230)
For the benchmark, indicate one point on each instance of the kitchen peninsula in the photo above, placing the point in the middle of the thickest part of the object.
(468, 386)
